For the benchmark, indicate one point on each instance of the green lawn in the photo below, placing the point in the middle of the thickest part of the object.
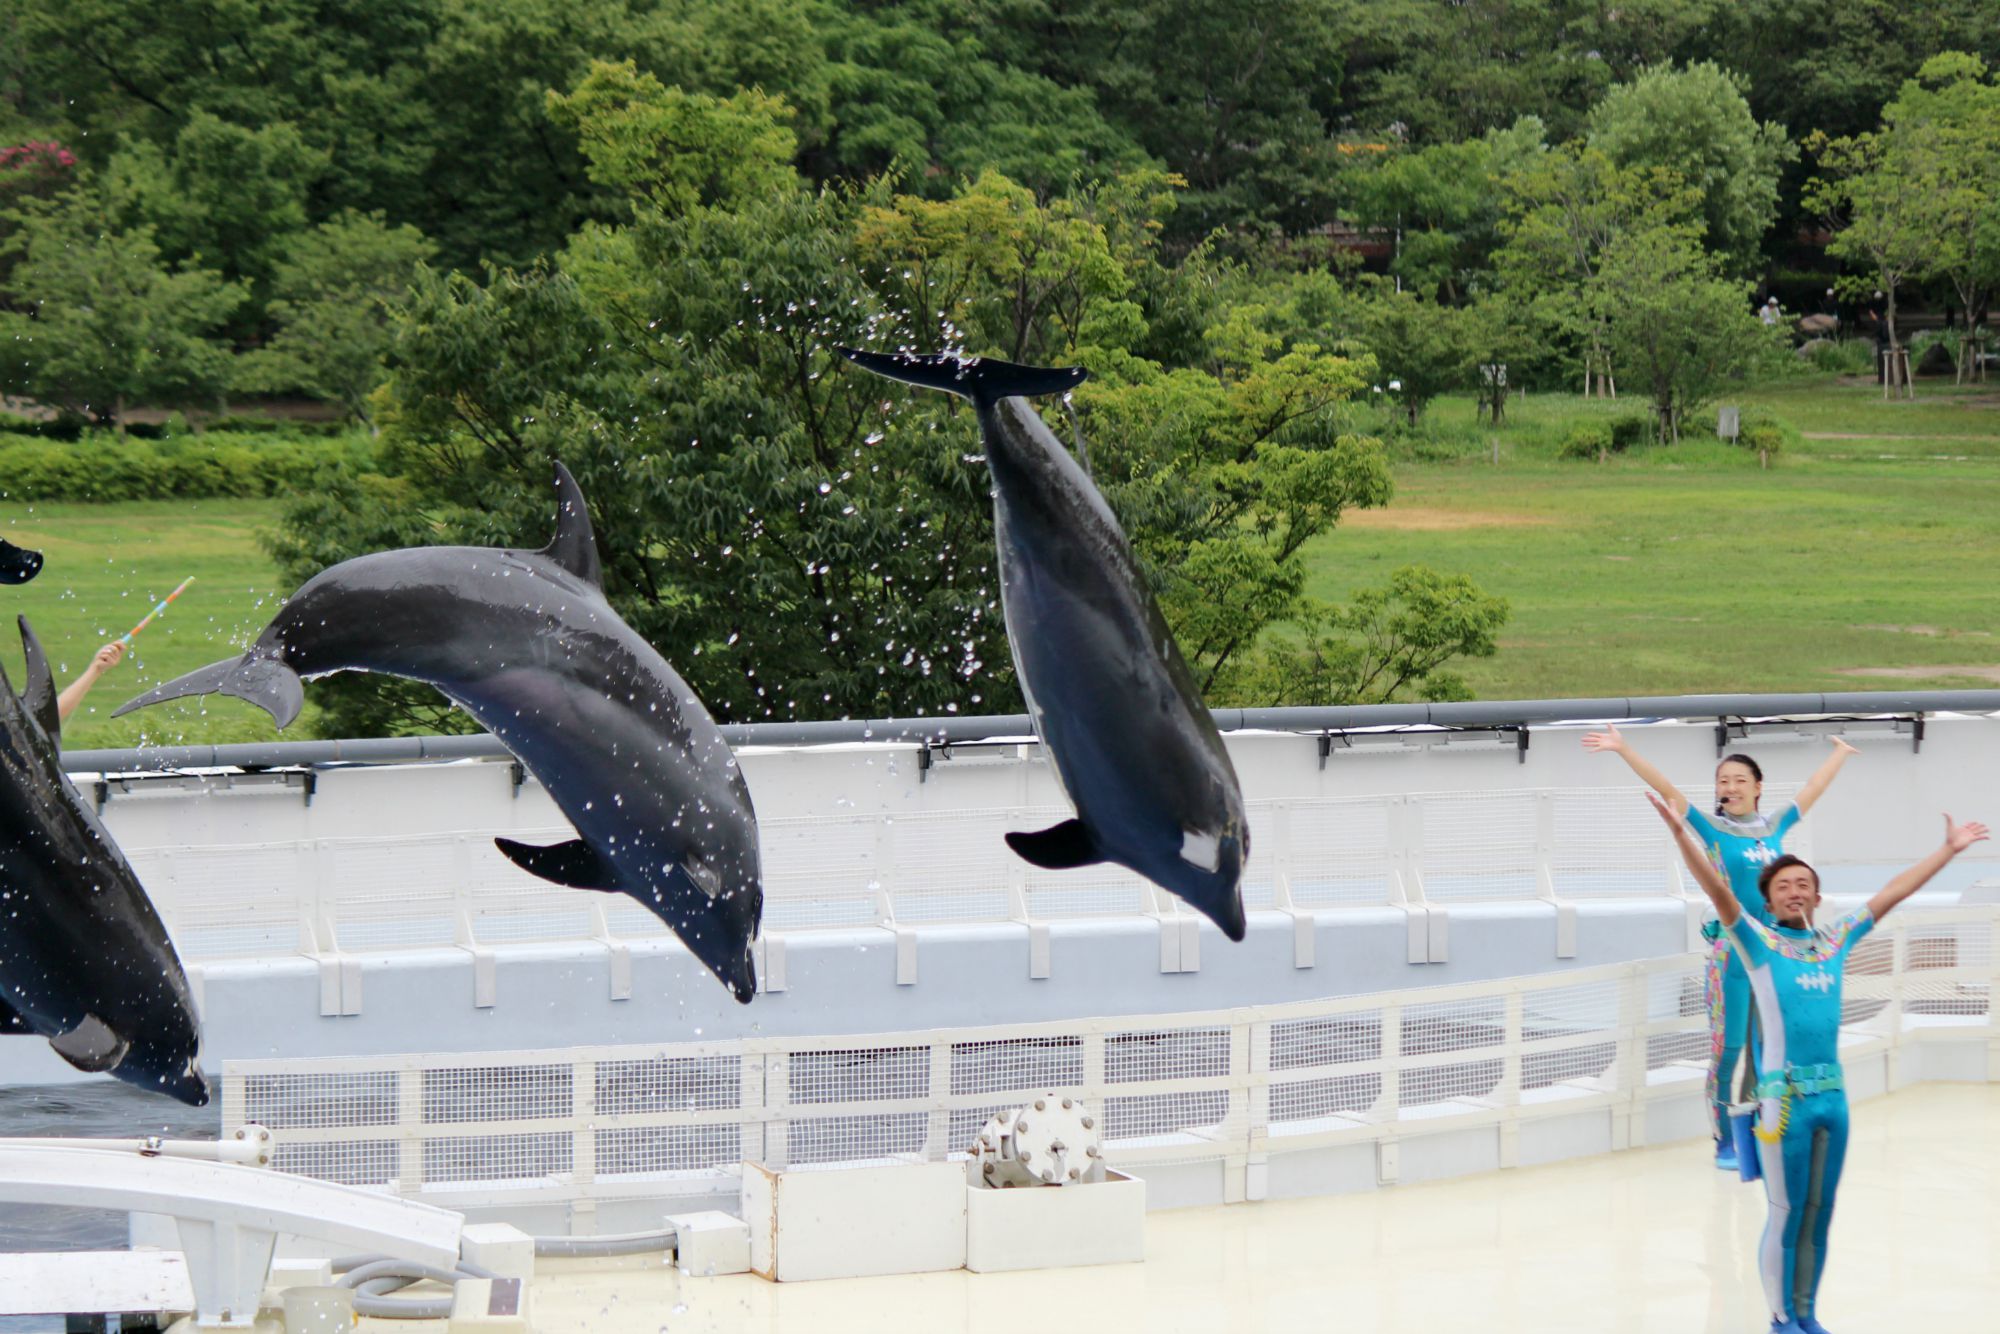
(107, 566)
(1687, 569)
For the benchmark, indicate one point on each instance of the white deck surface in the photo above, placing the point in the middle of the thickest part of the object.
(1653, 1240)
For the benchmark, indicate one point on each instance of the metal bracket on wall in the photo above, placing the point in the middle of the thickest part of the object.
(1741, 729)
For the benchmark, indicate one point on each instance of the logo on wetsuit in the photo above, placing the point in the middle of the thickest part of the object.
(1819, 980)
(1762, 854)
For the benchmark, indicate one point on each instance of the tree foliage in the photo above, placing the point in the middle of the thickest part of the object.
(98, 318)
(334, 294)
(1695, 125)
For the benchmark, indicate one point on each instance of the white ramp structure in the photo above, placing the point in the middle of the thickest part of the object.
(230, 1218)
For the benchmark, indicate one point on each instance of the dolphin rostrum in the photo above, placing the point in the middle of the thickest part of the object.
(525, 642)
(1112, 701)
(84, 960)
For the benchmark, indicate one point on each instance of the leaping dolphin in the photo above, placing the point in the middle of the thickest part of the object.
(525, 642)
(84, 960)
(1112, 701)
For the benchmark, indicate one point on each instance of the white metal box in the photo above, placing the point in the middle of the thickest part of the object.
(710, 1243)
(853, 1222)
(1056, 1227)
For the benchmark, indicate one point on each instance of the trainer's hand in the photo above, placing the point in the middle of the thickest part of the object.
(1959, 837)
(107, 657)
(1609, 739)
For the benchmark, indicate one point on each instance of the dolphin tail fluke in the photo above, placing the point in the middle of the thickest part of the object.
(264, 681)
(981, 379)
(1057, 848)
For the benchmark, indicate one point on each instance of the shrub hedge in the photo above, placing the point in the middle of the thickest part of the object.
(101, 467)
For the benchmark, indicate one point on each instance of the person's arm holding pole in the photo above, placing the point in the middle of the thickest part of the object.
(101, 662)
(108, 657)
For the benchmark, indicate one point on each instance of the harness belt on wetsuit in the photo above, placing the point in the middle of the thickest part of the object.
(1802, 1081)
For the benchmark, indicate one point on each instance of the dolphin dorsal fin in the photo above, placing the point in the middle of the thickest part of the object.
(40, 696)
(575, 546)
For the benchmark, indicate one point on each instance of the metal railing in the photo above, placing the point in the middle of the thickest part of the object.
(946, 729)
(1241, 1087)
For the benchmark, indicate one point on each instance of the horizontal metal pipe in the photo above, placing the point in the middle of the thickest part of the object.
(953, 729)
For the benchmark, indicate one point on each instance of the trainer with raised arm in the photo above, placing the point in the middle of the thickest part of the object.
(101, 662)
(1796, 968)
(1742, 840)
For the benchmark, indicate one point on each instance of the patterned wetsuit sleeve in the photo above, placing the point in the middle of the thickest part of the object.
(1852, 929)
(1751, 940)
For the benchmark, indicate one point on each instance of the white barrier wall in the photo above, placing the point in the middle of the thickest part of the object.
(362, 909)
(1212, 1106)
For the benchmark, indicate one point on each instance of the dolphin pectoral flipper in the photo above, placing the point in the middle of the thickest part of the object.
(574, 864)
(981, 379)
(255, 677)
(40, 696)
(91, 1046)
(1058, 847)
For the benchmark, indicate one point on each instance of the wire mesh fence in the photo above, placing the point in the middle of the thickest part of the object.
(677, 1119)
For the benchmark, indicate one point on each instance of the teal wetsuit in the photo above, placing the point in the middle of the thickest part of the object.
(1795, 977)
(1740, 849)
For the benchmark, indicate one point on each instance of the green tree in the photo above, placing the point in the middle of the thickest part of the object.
(939, 91)
(1831, 65)
(1947, 121)
(1421, 348)
(1677, 328)
(332, 298)
(1880, 193)
(669, 149)
(1240, 101)
(1452, 72)
(1695, 124)
(1563, 210)
(1443, 205)
(1386, 644)
(219, 195)
(98, 321)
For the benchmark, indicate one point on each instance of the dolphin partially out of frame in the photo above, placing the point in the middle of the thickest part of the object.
(525, 642)
(84, 960)
(18, 564)
(1111, 698)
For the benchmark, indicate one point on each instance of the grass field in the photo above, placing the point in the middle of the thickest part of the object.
(1867, 558)
(1872, 548)
(107, 566)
